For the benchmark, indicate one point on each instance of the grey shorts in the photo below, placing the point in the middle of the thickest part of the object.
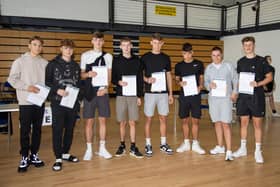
(152, 100)
(220, 109)
(100, 103)
(126, 108)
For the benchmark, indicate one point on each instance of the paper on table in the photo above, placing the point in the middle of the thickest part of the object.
(160, 84)
(39, 98)
(130, 88)
(101, 79)
(245, 78)
(69, 100)
(220, 90)
(191, 87)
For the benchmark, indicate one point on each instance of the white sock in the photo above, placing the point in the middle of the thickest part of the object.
(243, 143)
(65, 156)
(102, 144)
(89, 147)
(258, 146)
(58, 160)
(195, 142)
(186, 141)
(148, 141)
(163, 140)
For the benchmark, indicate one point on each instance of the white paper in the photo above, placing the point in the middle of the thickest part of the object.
(40, 97)
(191, 87)
(160, 84)
(69, 100)
(130, 88)
(245, 78)
(101, 79)
(220, 90)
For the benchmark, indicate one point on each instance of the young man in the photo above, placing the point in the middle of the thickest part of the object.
(127, 64)
(252, 105)
(27, 71)
(63, 72)
(220, 106)
(191, 103)
(96, 97)
(156, 62)
(269, 88)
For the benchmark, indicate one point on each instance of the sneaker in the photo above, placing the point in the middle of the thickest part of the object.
(148, 151)
(275, 115)
(183, 147)
(259, 157)
(217, 150)
(240, 152)
(104, 153)
(196, 148)
(121, 151)
(23, 164)
(35, 160)
(88, 155)
(229, 156)
(166, 149)
(135, 152)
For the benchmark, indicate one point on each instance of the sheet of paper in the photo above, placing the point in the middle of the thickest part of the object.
(160, 84)
(221, 88)
(130, 88)
(69, 100)
(101, 79)
(191, 87)
(39, 98)
(245, 78)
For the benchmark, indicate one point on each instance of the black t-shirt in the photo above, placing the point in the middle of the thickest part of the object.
(270, 85)
(153, 63)
(183, 69)
(256, 65)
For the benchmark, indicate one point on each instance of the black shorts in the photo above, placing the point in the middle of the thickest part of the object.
(251, 105)
(189, 105)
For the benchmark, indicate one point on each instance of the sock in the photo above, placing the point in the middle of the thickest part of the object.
(148, 141)
(102, 144)
(132, 144)
(195, 142)
(243, 143)
(163, 140)
(186, 141)
(89, 147)
(65, 156)
(58, 160)
(123, 143)
(273, 111)
(258, 146)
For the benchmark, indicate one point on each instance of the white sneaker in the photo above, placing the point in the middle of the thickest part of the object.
(88, 155)
(275, 115)
(240, 152)
(229, 156)
(259, 157)
(196, 148)
(104, 153)
(217, 150)
(183, 147)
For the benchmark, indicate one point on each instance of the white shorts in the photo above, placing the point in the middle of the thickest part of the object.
(152, 100)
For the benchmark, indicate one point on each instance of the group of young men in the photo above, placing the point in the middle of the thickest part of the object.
(62, 72)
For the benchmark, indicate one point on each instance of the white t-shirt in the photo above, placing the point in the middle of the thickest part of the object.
(90, 56)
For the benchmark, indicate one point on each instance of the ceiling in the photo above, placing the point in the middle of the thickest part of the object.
(213, 2)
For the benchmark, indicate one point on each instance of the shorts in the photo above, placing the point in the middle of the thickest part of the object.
(250, 105)
(189, 105)
(126, 108)
(220, 109)
(100, 103)
(152, 100)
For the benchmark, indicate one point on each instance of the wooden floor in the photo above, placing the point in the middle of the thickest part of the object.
(185, 169)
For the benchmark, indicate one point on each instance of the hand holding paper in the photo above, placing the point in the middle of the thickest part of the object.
(39, 97)
(101, 78)
(160, 82)
(191, 87)
(245, 79)
(70, 99)
(130, 88)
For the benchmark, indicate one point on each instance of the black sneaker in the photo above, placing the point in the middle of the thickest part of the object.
(35, 160)
(148, 151)
(121, 151)
(166, 149)
(135, 152)
(23, 164)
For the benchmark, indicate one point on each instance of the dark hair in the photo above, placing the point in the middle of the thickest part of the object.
(67, 42)
(36, 38)
(216, 48)
(157, 36)
(248, 39)
(98, 34)
(187, 47)
(125, 39)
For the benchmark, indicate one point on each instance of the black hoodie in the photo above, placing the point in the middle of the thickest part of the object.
(59, 74)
